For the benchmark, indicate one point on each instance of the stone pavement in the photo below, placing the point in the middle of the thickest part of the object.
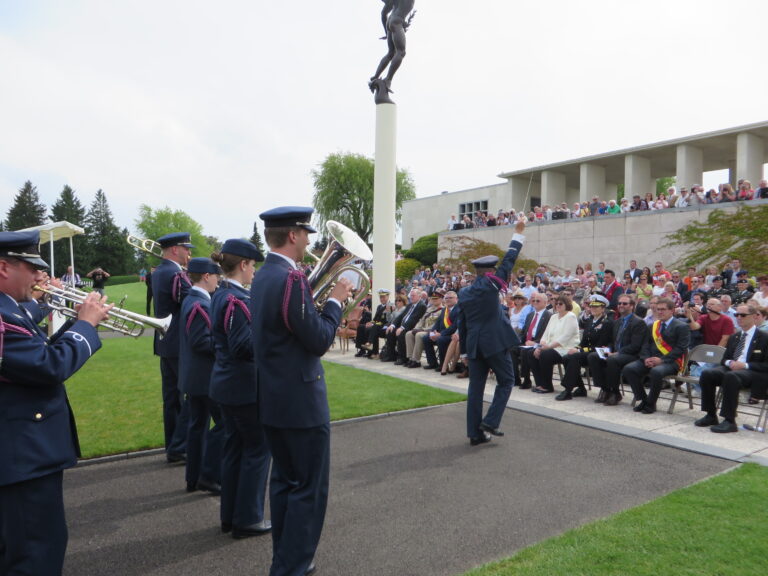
(676, 429)
(409, 496)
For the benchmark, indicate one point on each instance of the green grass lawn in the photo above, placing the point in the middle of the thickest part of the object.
(135, 296)
(718, 527)
(118, 405)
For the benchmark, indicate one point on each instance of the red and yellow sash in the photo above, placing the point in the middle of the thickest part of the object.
(447, 318)
(663, 347)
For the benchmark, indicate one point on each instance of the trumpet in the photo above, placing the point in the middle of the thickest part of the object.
(119, 320)
(145, 244)
(344, 247)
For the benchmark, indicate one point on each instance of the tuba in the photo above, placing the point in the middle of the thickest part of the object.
(119, 320)
(344, 247)
(145, 244)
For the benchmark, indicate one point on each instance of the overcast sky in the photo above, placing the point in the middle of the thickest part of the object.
(222, 109)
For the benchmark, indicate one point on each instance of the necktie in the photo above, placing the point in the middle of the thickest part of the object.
(619, 335)
(740, 345)
(663, 328)
(529, 336)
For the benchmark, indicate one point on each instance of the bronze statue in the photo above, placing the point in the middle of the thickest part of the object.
(396, 17)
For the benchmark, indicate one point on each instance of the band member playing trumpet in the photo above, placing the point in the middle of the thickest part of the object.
(170, 285)
(203, 471)
(37, 427)
(289, 337)
(245, 467)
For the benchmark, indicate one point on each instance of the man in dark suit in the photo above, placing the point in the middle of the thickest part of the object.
(170, 285)
(37, 427)
(204, 443)
(744, 365)
(375, 329)
(533, 329)
(633, 271)
(406, 321)
(441, 332)
(486, 338)
(662, 355)
(628, 336)
(289, 337)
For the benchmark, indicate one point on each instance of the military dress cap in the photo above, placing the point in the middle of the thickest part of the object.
(242, 248)
(717, 279)
(288, 217)
(486, 262)
(203, 266)
(439, 293)
(22, 246)
(176, 239)
(383, 291)
(598, 299)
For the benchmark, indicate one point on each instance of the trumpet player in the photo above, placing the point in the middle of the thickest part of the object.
(289, 337)
(36, 423)
(170, 285)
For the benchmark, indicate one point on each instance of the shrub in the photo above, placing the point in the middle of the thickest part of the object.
(424, 250)
(405, 268)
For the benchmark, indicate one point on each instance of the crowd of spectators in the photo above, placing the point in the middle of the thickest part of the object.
(672, 198)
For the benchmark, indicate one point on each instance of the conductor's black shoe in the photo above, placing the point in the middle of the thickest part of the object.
(263, 527)
(311, 568)
(708, 420)
(724, 427)
(207, 486)
(175, 457)
(482, 439)
(492, 431)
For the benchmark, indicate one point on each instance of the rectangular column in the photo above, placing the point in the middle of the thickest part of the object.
(750, 156)
(690, 166)
(637, 176)
(552, 187)
(591, 182)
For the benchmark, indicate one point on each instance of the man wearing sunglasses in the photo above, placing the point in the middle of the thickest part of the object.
(744, 365)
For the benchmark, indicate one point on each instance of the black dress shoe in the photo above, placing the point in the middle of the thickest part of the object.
(492, 431)
(413, 364)
(706, 421)
(482, 439)
(648, 409)
(430, 366)
(226, 527)
(525, 386)
(725, 427)
(639, 406)
(564, 395)
(580, 392)
(191, 486)
(263, 527)
(360, 353)
(601, 397)
(399, 362)
(310, 569)
(175, 457)
(207, 486)
(612, 399)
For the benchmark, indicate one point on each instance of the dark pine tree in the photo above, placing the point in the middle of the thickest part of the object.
(27, 210)
(256, 238)
(69, 208)
(107, 247)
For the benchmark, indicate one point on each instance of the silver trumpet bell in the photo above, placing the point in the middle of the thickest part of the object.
(344, 248)
(119, 320)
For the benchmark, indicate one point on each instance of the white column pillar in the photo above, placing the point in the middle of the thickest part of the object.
(612, 191)
(637, 176)
(591, 182)
(552, 188)
(384, 182)
(732, 178)
(750, 155)
(690, 166)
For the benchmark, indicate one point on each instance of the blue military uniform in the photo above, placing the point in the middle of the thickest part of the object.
(289, 337)
(486, 337)
(196, 358)
(38, 437)
(234, 383)
(170, 286)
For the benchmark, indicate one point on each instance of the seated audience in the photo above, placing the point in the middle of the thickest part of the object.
(414, 345)
(533, 329)
(561, 335)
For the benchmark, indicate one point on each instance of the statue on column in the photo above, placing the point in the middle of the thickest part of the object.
(396, 17)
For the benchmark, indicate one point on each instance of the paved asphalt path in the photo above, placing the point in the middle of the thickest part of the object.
(409, 496)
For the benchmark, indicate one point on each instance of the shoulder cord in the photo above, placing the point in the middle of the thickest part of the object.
(229, 314)
(293, 276)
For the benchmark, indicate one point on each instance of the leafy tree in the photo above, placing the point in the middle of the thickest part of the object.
(69, 208)
(214, 243)
(723, 236)
(106, 246)
(424, 250)
(256, 238)
(663, 184)
(344, 192)
(464, 249)
(405, 268)
(27, 210)
(153, 224)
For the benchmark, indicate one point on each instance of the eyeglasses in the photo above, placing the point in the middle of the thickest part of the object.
(741, 314)
(559, 304)
(625, 303)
